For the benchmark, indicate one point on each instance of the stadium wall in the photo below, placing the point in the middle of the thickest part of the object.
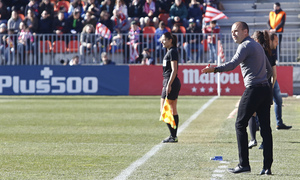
(122, 80)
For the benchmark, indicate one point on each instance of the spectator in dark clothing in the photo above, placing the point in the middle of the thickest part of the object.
(104, 19)
(31, 21)
(46, 5)
(4, 13)
(178, 14)
(45, 23)
(34, 5)
(89, 18)
(195, 12)
(92, 7)
(164, 5)
(76, 4)
(74, 22)
(60, 24)
(193, 41)
(107, 5)
(135, 10)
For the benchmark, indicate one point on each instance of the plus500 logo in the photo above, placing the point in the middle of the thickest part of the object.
(57, 85)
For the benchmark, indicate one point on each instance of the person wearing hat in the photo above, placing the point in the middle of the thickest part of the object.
(276, 21)
(193, 41)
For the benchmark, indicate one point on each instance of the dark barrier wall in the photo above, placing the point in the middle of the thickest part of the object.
(122, 80)
(64, 80)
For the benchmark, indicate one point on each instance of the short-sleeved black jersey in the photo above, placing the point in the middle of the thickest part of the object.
(171, 55)
(273, 58)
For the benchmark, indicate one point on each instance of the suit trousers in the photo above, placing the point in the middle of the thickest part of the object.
(255, 99)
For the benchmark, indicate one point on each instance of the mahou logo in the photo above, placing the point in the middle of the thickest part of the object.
(193, 76)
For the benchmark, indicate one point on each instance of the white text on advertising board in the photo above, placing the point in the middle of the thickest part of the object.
(193, 76)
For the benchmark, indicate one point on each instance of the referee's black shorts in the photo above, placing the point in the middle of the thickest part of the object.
(176, 85)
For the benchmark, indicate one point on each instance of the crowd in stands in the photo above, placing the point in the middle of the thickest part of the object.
(105, 18)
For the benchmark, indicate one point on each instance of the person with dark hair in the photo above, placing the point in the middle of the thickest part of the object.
(171, 82)
(276, 89)
(178, 14)
(74, 22)
(46, 5)
(31, 20)
(256, 71)
(14, 22)
(76, 5)
(34, 6)
(45, 23)
(212, 31)
(4, 13)
(276, 21)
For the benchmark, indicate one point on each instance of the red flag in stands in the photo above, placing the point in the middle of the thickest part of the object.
(212, 14)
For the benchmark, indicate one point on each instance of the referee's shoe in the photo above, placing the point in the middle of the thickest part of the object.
(170, 139)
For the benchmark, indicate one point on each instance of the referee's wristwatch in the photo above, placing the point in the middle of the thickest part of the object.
(216, 70)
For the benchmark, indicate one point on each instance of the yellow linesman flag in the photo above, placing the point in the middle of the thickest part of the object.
(166, 115)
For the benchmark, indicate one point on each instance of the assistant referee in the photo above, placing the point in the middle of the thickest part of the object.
(171, 83)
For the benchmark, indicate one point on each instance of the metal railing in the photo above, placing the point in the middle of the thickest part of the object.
(49, 49)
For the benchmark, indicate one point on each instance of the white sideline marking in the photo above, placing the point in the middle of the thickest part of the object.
(130, 169)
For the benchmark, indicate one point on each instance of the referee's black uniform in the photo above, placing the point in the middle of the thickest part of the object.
(171, 55)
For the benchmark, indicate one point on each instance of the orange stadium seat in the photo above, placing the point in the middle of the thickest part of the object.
(164, 17)
(66, 4)
(59, 46)
(73, 46)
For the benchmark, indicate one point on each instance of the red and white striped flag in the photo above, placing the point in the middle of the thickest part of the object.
(212, 14)
(103, 31)
(221, 51)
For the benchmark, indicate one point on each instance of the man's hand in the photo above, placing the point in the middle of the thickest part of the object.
(208, 69)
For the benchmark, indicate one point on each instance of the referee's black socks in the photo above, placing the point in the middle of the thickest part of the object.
(174, 131)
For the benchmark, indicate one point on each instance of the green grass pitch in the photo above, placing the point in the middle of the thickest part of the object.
(97, 137)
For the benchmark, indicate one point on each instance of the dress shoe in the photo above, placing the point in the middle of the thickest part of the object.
(266, 171)
(252, 143)
(240, 169)
(283, 126)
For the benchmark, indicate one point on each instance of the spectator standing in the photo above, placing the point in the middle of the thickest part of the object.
(193, 41)
(178, 14)
(151, 11)
(3, 32)
(135, 10)
(212, 31)
(45, 23)
(46, 5)
(195, 12)
(14, 22)
(158, 34)
(89, 18)
(32, 21)
(87, 40)
(34, 6)
(256, 71)
(4, 13)
(276, 21)
(25, 40)
(134, 36)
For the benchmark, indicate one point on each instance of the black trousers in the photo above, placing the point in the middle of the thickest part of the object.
(254, 99)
